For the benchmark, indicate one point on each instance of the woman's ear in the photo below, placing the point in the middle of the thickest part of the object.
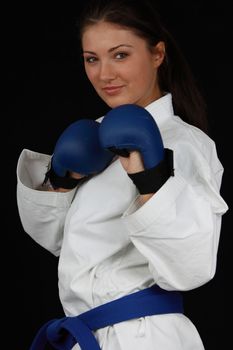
(159, 53)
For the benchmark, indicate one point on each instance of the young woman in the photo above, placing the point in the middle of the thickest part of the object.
(134, 242)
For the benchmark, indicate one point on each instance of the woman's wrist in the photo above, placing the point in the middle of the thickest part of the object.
(145, 197)
(49, 188)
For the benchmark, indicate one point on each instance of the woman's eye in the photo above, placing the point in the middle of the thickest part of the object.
(121, 55)
(90, 59)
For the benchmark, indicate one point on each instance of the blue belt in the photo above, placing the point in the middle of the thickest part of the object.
(64, 333)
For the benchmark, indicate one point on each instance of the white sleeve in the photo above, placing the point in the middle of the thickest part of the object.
(178, 229)
(42, 213)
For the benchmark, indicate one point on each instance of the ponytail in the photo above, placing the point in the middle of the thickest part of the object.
(176, 77)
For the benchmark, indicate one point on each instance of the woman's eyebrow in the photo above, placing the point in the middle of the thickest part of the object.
(118, 46)
(110, 50)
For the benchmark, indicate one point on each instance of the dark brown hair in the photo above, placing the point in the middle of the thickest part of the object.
(174, 74)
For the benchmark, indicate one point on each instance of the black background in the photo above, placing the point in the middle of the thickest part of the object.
(46, 89)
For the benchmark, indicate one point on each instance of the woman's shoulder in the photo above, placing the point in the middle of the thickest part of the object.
(191, 145)
(181, 132)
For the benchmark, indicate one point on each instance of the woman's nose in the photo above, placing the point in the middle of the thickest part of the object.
(107, 71)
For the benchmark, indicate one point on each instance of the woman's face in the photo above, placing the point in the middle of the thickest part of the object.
(120, 65)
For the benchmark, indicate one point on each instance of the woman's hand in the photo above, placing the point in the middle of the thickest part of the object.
(61, 189)
(133, 163)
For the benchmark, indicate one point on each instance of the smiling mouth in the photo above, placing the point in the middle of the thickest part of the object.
(112, 90)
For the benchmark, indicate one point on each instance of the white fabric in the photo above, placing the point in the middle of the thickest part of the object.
(109, 246)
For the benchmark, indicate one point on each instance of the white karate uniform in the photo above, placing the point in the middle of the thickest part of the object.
(109, 246)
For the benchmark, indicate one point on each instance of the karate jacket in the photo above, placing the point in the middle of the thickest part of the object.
(109, 245)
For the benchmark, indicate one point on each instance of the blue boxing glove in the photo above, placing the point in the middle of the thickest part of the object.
(78, 150)
(130, 127)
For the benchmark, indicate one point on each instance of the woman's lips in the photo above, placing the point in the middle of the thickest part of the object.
(112, 90)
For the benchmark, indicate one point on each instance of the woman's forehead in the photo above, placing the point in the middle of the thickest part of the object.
(105, 33)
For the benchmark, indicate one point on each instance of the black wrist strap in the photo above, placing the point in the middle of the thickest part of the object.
(59, 181)
(151, 180)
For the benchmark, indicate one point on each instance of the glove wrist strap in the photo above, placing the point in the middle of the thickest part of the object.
(59, 181)
(151, 180)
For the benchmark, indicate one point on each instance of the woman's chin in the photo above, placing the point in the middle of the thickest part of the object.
(113, 102)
